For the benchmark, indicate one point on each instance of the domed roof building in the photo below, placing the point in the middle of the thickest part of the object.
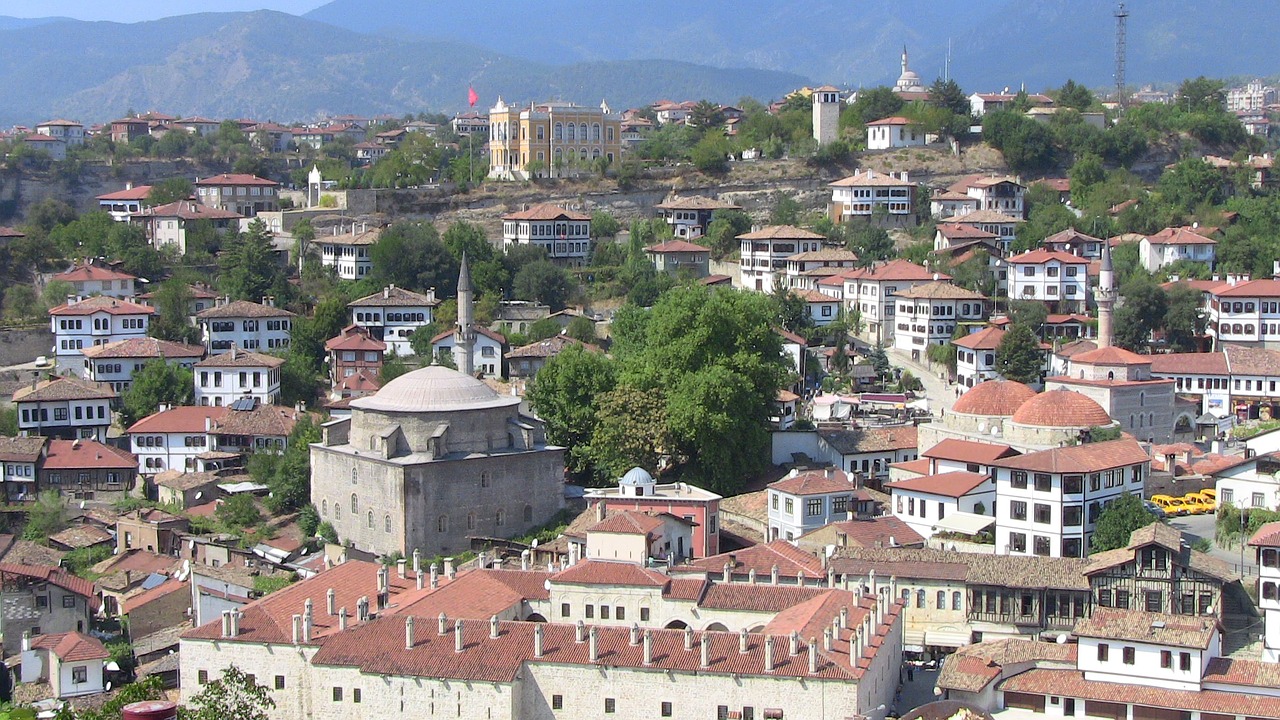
(1056, 416)
(994, 398)
(909, 81)
(1003, 411)
(432, 458)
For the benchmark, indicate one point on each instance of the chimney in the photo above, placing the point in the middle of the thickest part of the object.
(420, 580)
(362, 609)
(844, 617)
(635, 634)
(601, 512)
(580, 632)
(417, 561)
(386, 292)
(799, 578)
(448, 567)
(537, 640)
(768, 653)
(435, 576)
(855, 646)
(826, 639)
(226, 630)
(688, 638)
(871, 583)
(706, 650)
(727, 570)
(401, 564)
(773, 575)
(648, 646)
(297, 629)
(235, 622)
(795, 643)
(828, 472)
(831, 573)
(813, 656)
(384, 577)
(482, 559)
(306, 627)
(444, 624)
(751, 576)
(493, 626)
(342, 618)
(525, 556)
(408, 632)
(331, 605)
(593, 644)
(457, 636)
(742, 641)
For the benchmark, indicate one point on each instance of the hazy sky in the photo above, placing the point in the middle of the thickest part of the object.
(136, 10)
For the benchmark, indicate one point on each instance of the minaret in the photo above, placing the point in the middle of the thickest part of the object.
(1105, 296)
(464, 335)
(904, 59)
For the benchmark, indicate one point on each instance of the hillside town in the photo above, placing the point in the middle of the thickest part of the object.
(892, 402)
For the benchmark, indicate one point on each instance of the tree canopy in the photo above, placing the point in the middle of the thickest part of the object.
(1018, 356)
(158, 382)
(1118, 521)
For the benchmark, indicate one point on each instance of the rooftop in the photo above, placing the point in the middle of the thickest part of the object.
(242, 309)
(392, 296)
(64, 388)
(547, 211)
(1090, 457)
(950, 484)
(1158, 628)
(143, 347)
(102, 303)
(434, 388)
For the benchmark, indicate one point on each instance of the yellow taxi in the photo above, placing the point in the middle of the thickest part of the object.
(1171, 505)
(1198, 503)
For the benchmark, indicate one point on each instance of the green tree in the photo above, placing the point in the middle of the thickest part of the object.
(874, 104)
(9, 421)
(55, 293)
(169, 191)
(946, 94)
(1201, 95)
(1085, 173)
(289, 473)
(877, 359)
(148, 688)
(234, 696)
(630, 431)
(1018, 356)
(1029, 148)
(604, 225)
(871, 242)
(1073, 95)
(21, 303)
(786, 211)
(543, 282)
(711, 154)
(412, 256)
(158, 382)
(582, 328)
(565, 394)
(1190, 183)
(308, 520)
(47, 516)
(392, 368)
(706, 115)
(1142, 311)
(298, 377)
(248, 266)
(1028, 313)
(1118, 521)
(327, 532)
(722, 233)
(239, 511)
(172, 302)
(1184, 322)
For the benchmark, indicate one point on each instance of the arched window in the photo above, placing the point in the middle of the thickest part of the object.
(386, 523)
(355, 504)
(369, 522)
(920, 598)
(528, 513)
(942, 599)
(442, 523)
(484, 479)
(502, 518)
(595, 132)
(471, 521)
(955, 600)
(559, 132)
(337, 509)
(324, 508)
(583, 153)
(609, 134)
(569, 131)
(353, 476)
(542, 132)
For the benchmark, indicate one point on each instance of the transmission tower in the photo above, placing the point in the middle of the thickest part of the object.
(1122, 15)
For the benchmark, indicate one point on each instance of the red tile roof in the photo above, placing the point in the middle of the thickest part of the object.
(186, 419)
(677, 246)
(781, 232)
(1041, 256)
(951, 484)
(102, 303)
(1071, 683)
(1091, 457)
(1111, 356)
(1248, 289)
(90, 272)
(1180, 236)
(882, 530)
(236, 179)
(1061, 408)
(72, 646)
(789, 559)
(57, 576)
(601, 572)
(67, 387)
(242, 309)
(354, 337)
(896, 269)
(1157, 628)
(815, 482)
(144, 347)
(628, 522)
(164, 589)
(187, 210)
(139, 192)
(961, 231)
(21, 449)
(987, 338)
(969, 451)
(1267, 536)
(77, 454)
(994, 398)
(546, 211)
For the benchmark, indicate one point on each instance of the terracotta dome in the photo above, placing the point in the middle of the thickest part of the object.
(994, 398)
(1061, 408)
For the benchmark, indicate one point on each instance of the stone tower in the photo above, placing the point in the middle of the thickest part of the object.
(465, 334)
(826, 114)
(1105, 296)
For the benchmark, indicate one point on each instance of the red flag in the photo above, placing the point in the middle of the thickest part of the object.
(472, 97)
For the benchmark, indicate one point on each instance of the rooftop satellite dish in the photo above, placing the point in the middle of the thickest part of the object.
(534, 543)
(1062, 639)
(113, 667)
(199, 494)
(108, 687)
(546, 584)
(81, 504)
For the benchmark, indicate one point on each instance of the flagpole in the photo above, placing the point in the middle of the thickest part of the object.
(471, 158)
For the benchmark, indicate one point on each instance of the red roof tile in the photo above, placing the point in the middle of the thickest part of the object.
(77, 454)
(1041, 256)
(57, 576)
(815, 482)
(102, 303)
(601, 572)
(236, 179)
(1267, 536)
(994, 398)
(1180, 236)
(1091, 457)
(628, 522)
(969, 451)
(1248, 289)
(88, 271)
(72, 646)
(950, 484)
(882, 529)
(1061, 408)
(186, 419)
(1111, 356)
(987, 338)
(789, 559)
(677, 246)
(1071, 683)
(546, 211)
(164, 589)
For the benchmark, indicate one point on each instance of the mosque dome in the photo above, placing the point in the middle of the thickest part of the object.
(994, 398)
(433, 389)
(1062, 408)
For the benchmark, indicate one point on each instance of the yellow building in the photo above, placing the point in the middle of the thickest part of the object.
(557, 138)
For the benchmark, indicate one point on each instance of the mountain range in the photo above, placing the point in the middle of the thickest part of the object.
(400, 56)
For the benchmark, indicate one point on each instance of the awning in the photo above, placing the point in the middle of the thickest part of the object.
(964, 523)
(947, 638)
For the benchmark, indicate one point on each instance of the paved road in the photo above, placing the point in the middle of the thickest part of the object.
(941, 394)
(1202, 526)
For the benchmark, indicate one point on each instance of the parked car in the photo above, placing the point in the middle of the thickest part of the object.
(1154, 509)
(1198, 504)
(1171, 505)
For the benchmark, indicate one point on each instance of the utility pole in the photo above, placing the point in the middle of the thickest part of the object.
(1122, 16)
